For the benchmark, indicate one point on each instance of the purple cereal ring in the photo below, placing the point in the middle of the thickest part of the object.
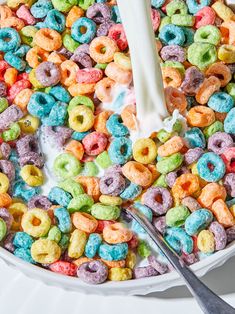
(142, 272)
(219, 234)
(160, 267)
(7, 217)
(93, 272)
(8, 242)
(27, 144)
(112, 184)
(48, 73)
(59, 134)
(173, 53)
(32, 158)
(229, 184)
(3, 89)
(172, 176)
(8, 169)
(99, 12)
(160, 207)
(192, 80)
(191, 203)
(9, 116)
(160, 224)
(39, 201)
(5, 150)
(65, 52)
(190, 259)
(230, 232)
(81, 57)
(219, 142)
(104, 28)
(192, 155)
(114, 169)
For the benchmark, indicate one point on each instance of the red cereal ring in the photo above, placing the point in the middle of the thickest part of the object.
(229, 159)
(64, 268)
(117, 33)
(16, 88)
(94, 143)
(3, 66)
(102, 224)
(88, 76)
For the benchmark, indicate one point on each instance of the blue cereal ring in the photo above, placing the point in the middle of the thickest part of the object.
(157, 3)
(115, 126)
(115, 252)
(60, 93)
(171, 34)
(211, 174)
(120, 150)
(24, 254)
(23, 191)
(41, 8)
(23, 240)
(92, 245)
(194, 6)
(59, 196)
(147, 212)
(57, 116)
(55, 20)
(13, 39)
(115, 14)
(197, 221)
(64, 221)
(15, 61)
(131, 191)
(179, 240)
(221, 102)
(229, 122)
(195, 138)
(189, 36)
(79, 136)
(83, 38)
(40, 104)
(22, 51)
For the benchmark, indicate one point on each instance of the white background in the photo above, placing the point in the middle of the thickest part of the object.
(22, 295)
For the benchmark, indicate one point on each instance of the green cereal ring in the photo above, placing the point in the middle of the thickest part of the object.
(143, 249)
(63, 5)
(163, 136)
(168, 164)
(101, 66)
(85, 4)
(230, 88)
(90, 169)
(105, 212)
(183, 19)
(81, 203)
(174, 64)
(217, 126)
(103, 160)
(66, 166)
(161, 181)
(3, 104)
(207, 34)
(202, 54)
(164, 21)
(64, 242)
(54, 234)
(81, 100)
(72, 187)
(27, 34)
(69, 43)
(12, 134)
(176, 216)
(3, 229)
(176, 6)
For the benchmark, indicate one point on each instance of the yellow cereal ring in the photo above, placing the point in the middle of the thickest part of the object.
(130, 260)
(4, 183)
(29, 124)
(122, 60)
(145, 150)
(45, 251)
(224, 12)
(17, 210)
(226, 53)
(120, 274)
(77, 244)
(36, 222)
(81, 118)
(32, 175)
(206, 241)
(110, 200)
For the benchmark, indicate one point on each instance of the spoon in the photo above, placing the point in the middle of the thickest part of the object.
(209, 302)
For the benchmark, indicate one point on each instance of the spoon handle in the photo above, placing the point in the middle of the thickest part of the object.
(209, 302)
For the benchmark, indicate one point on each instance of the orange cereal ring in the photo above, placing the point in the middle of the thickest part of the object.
(81, 260)
(158, 45)
(74, 14)
(173, 145)
(209, 86)
(68, 72)
(112, 264)
(78, 89)
(211, 193)
(200, 116)
(35, 56)
(84, 222)
(22, 99)
(48, 39)
(100, 121)
(171, 77)
(154, 171)
(128, 116)
(221, 71)
(102, 49)
(103, 89)
(76, 148)
(5, 200)
(10, 76)
(220, 116)
(222, 213)
(137, 173)
(185, 185)
(13, 22)
(117, 74)
(227, 30)
(90, 185)
(175, 99)
(56, 58)
(117, 233)
(5, 12)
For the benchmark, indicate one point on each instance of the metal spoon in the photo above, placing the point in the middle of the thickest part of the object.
(209, 302)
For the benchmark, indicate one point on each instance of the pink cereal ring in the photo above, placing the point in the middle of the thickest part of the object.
(16, 88)
(94, 143)
(117, 74)
(205, 16)
(92, 75)
(24, 14)
(117, 33)
(64, 268)
(156, 19)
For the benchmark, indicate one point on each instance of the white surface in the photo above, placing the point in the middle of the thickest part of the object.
(21, 295)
